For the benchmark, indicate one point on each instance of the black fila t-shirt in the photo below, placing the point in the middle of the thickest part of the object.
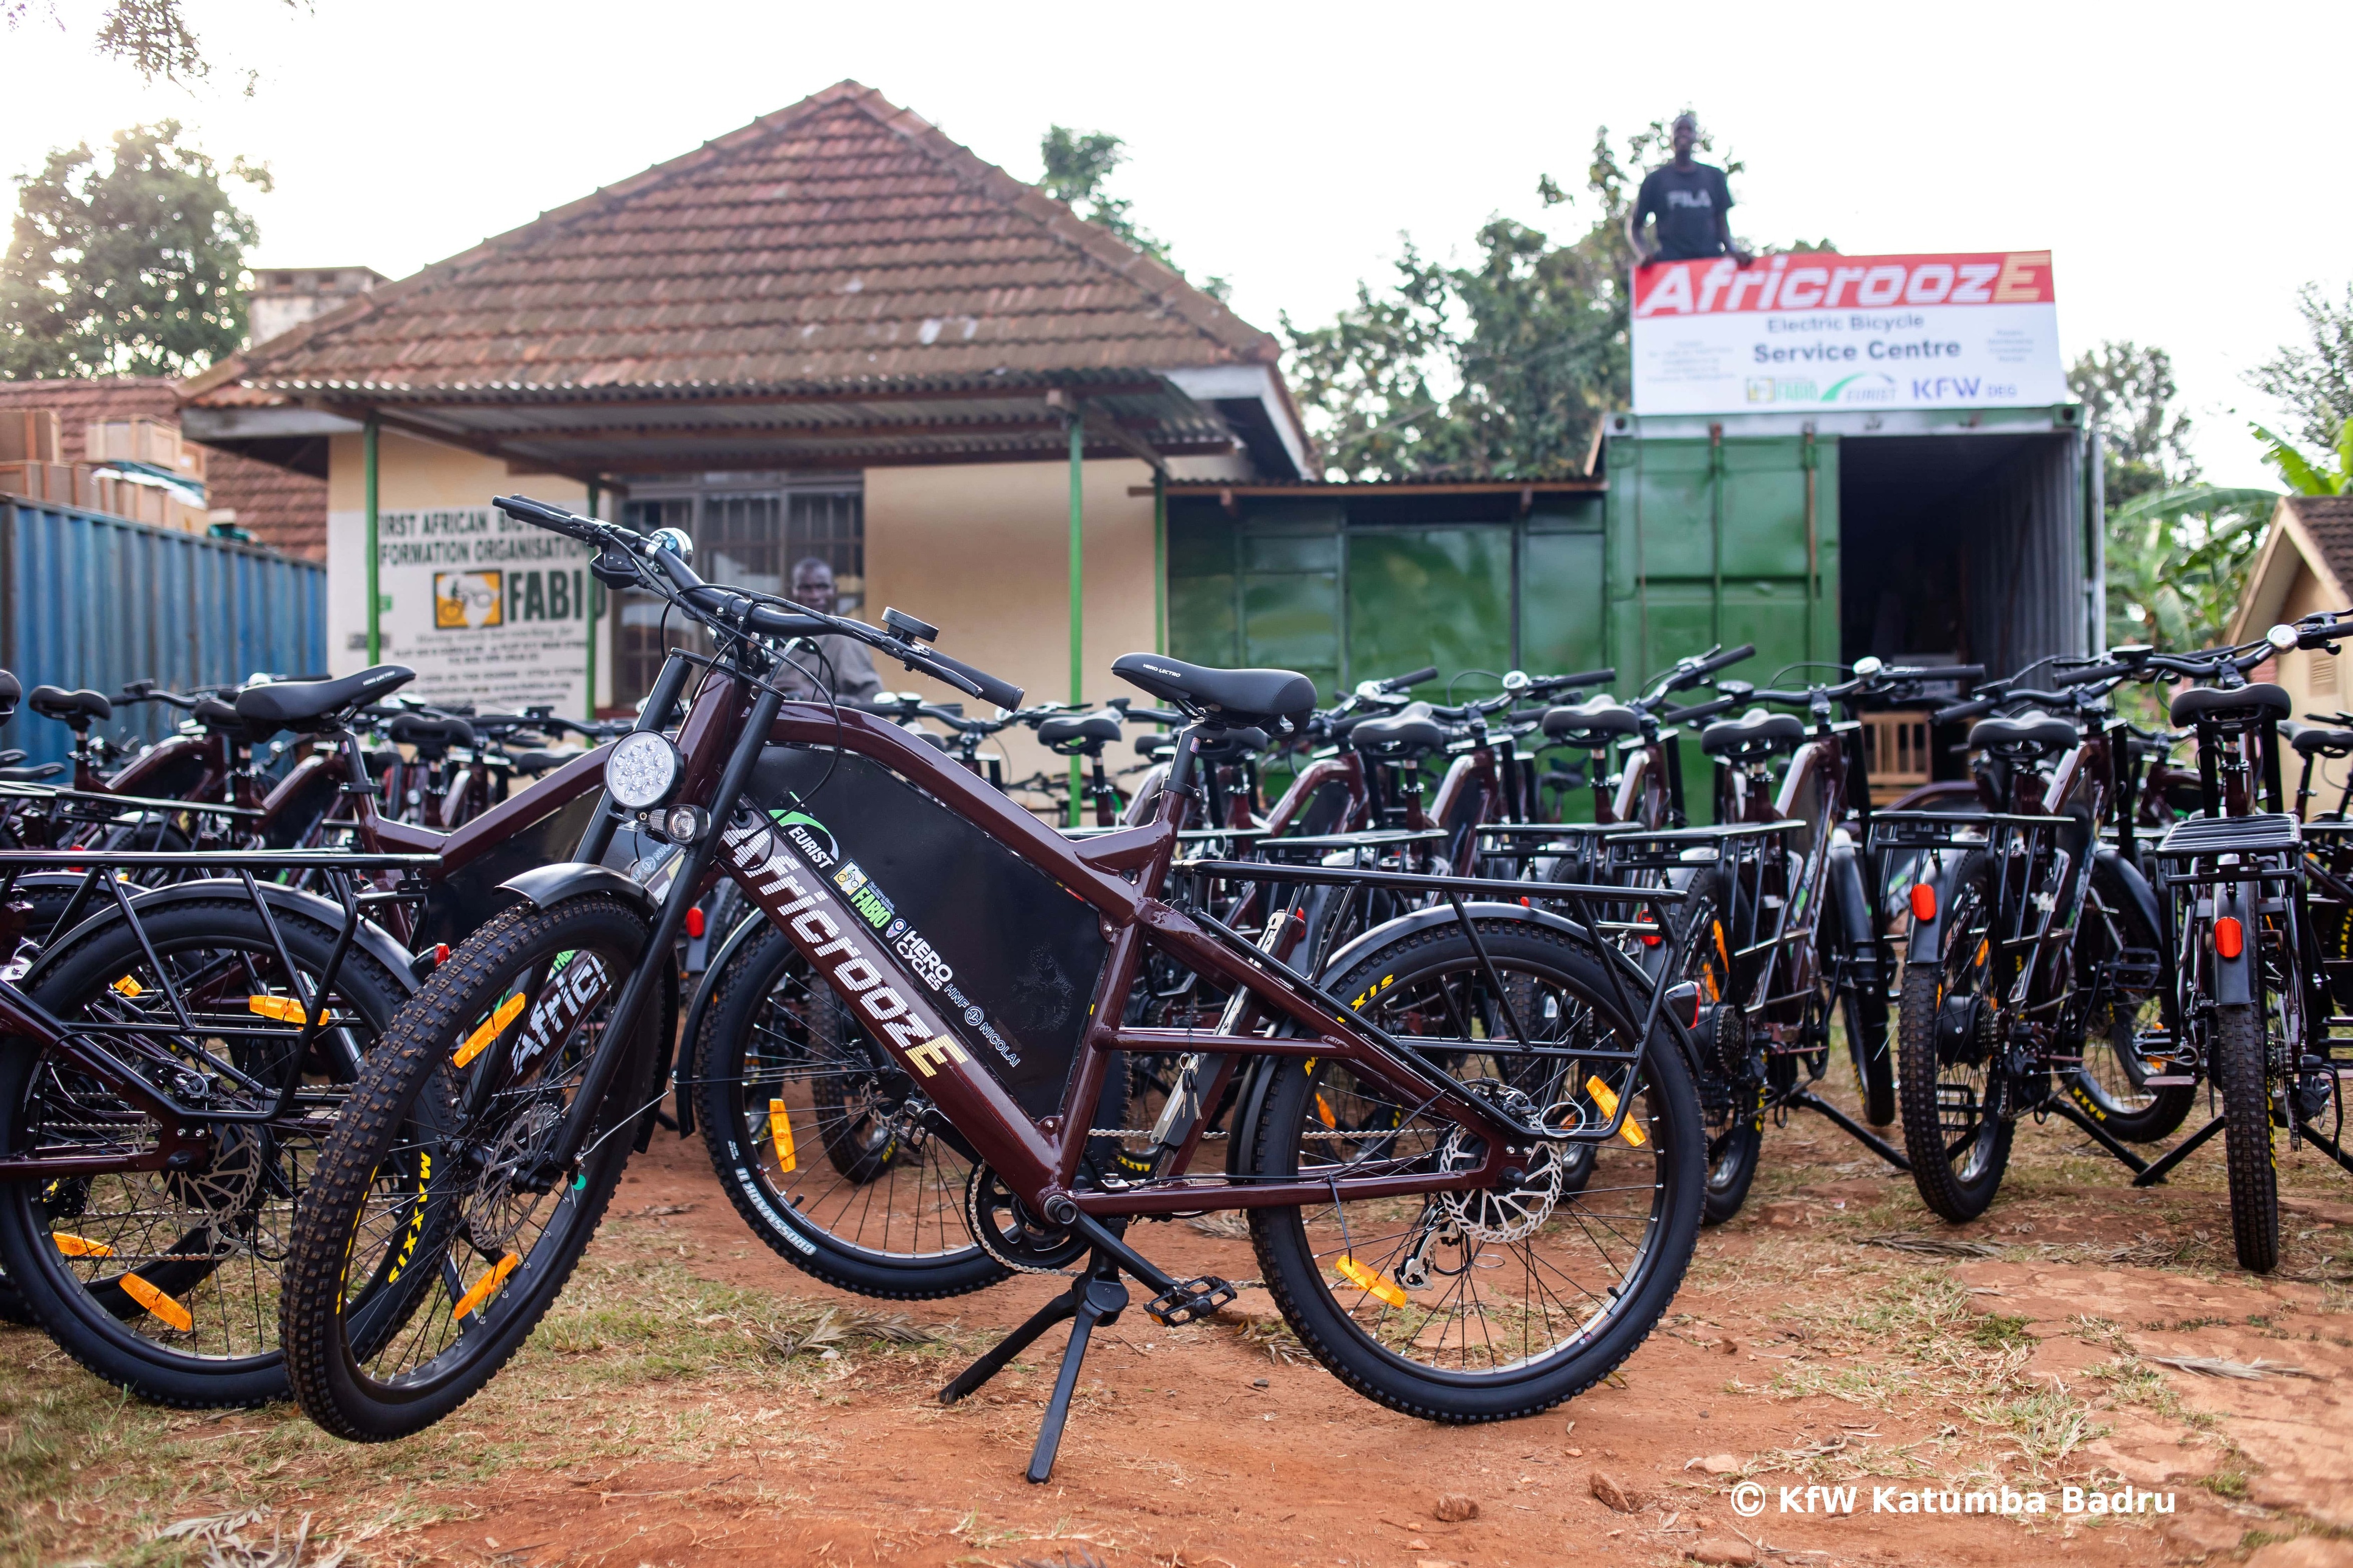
(1685, 202)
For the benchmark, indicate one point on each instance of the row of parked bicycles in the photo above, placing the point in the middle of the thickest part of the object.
(332, 1103)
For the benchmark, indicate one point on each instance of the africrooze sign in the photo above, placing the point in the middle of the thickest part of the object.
(1816, 330)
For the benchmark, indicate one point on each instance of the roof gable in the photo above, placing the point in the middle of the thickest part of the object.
(840, 242)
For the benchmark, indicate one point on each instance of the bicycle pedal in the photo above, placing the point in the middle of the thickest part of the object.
(1189, 1300)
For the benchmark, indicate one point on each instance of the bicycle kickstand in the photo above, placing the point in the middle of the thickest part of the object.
(1096, 1297)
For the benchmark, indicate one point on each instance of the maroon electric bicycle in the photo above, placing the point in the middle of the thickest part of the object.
(1403, 1132)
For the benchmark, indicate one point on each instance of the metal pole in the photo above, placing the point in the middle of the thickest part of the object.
(588, 610)
(1078, 585)
(374, 593)
(1159, 560)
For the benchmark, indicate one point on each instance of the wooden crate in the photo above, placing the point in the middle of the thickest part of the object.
(1896, 748)
(55, 483)
(143, 440)
(29, 435)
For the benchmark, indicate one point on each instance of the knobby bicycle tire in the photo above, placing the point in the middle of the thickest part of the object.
(2240, 1073)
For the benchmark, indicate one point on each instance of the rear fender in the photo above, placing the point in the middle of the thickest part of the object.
(2234, 978)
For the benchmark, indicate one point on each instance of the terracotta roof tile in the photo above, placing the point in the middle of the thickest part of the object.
(2329, 521)
(842, 240)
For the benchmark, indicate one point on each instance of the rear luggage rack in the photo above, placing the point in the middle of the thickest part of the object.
(2262, 832)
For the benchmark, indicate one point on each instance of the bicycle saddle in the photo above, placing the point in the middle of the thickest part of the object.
(531, 764)
(1232, 745)
(76, 709)
(2317, 741)
(1592, 721)
(1079, 729)
(215, 714)
(297, 704)
(2260, 700)
(431, 736)
(1277, 700)
(2044, 735)
(1755, 733)
(35, 773)
(1411, 729)
(12, 691)
(1155, 748)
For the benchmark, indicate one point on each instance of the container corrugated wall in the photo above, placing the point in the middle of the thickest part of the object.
(92, 601)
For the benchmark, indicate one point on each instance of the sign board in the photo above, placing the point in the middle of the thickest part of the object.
(1816, 330)
(485, 610)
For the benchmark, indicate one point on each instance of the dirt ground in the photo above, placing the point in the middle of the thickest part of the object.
(657, 1419)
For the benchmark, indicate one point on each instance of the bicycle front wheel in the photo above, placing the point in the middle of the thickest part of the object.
(1487, 1304)
(438, 1229)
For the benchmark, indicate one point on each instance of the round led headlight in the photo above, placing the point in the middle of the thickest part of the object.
(642, 769)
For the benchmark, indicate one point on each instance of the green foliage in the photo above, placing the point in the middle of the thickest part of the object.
(1499, 369)
(1078, 165)
(134, 266)
(2304, 475)
(2177, 561)
(152, 36)
(2314, 382)
(2127, 390)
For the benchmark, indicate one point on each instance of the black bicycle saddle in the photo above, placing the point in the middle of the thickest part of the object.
(299, 704)
(1755, 733)
(2318, 741)
(12, 691)
(2262, 699)
(76, 709)
(1277, 700)
(432, 735)
(1592, 723)
(2041, 734)
(1409, 729)
(1079, 729)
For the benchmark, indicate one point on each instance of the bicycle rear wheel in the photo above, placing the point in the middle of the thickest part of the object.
(1954, 1087)
(2240, 1073)
(166, 1283)
(437, 1234)
(1483, 1305)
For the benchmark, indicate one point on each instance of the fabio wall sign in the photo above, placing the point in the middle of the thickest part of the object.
(1816, 330)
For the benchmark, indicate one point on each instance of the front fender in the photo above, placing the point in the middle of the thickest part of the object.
(543, 886)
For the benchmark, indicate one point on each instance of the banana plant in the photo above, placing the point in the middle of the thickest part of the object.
(2304, 475)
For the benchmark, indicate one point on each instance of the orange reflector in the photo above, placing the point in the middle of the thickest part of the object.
(1368, 1280)
(2230, 937)
(485, 1285)
(488, 1030)
(1607, 1098)
(1323, 1113)
(79, 1245)
(158, 1302)
(1924, 902)
(129, 986)
(285, 1009)
(780, 1134)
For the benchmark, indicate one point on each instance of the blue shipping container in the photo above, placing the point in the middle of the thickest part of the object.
(88, 600)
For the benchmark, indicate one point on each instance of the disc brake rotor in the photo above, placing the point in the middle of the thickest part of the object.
(1514, 1209)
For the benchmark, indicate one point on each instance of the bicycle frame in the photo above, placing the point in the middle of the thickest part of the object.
(732, 719)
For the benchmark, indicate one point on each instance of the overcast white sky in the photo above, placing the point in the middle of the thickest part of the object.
(2186, 165)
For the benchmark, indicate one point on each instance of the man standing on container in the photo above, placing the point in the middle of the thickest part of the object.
(1692, 204)
(839, 662)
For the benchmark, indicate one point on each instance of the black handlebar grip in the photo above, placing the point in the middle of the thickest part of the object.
(1400, 682)
(768, 621)
(1726, 659)
(979, 682)
(1697, 711)
(539, 514)
(1983, 706)
(2321, 637)
(1602, 677)
(1948, 672)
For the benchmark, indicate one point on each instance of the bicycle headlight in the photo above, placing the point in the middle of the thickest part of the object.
(642, 770)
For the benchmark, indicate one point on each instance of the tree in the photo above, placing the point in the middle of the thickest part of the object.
(2314, 382)
(152, 36)
(2177, 561)
(2304, 475)
(2128, 391)
(1499, 369)
(135, 267)
(1078, 165)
